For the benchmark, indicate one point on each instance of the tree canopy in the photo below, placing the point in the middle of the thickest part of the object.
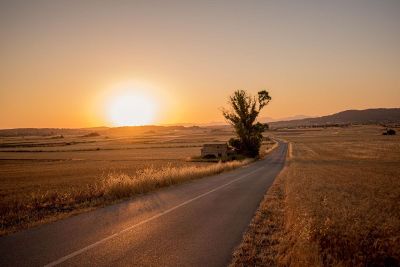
(242, 115)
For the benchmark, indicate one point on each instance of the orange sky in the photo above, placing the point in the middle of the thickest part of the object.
(62, 60)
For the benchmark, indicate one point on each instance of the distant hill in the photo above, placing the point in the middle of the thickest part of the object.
(42, 132)
(90, 132)
(296, 117)
(367, 116)
(135, 130)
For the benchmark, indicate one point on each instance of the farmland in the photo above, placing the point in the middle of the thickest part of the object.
(334, 204)
(48, 177)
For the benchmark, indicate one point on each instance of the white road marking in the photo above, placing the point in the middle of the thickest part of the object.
(82, 250)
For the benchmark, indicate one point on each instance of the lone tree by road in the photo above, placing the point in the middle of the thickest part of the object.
(242, 115)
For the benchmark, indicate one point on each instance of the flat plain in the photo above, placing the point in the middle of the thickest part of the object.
(44, 178)
(336, 203)
(39, 164)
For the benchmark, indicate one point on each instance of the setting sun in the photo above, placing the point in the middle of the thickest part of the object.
(131, 108)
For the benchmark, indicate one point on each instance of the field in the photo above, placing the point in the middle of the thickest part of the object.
(34, 164)
(50, 177)
(336, 203)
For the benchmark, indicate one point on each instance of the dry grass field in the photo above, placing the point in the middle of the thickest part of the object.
(46, 178)
(336, 203)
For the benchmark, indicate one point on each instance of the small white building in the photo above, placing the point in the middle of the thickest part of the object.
(215, 150)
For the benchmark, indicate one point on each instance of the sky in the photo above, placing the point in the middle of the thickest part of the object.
(75, 63)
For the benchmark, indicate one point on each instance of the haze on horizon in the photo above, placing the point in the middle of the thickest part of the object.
(70, 63)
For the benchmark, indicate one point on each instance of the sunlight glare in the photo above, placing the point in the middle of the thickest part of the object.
(131, 108)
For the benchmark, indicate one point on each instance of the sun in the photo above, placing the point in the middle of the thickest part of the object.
(131, 108)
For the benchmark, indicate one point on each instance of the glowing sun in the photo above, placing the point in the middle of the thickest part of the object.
(131, 108)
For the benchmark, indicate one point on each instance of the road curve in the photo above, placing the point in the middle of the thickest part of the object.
(193, 224)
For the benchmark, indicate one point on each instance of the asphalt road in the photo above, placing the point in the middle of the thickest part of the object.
(198, 223)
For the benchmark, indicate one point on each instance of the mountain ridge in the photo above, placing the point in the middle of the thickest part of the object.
(352, 116)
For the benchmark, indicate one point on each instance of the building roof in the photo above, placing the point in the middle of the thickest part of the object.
(216, 144)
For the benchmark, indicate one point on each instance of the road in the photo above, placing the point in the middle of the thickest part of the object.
(198, 223)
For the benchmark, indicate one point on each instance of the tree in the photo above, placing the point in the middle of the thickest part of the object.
(242, 116)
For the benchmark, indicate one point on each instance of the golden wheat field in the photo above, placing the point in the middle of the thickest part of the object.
(45, 178)
(34, 164)
(336, 203)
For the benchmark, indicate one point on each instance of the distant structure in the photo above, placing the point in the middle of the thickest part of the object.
(390, 132)
(215, 150)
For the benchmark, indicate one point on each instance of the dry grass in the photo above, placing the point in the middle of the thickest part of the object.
(41, 207)
(116, 186)
(340, 204)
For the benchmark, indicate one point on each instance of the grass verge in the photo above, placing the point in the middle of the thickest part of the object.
(334, 204)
